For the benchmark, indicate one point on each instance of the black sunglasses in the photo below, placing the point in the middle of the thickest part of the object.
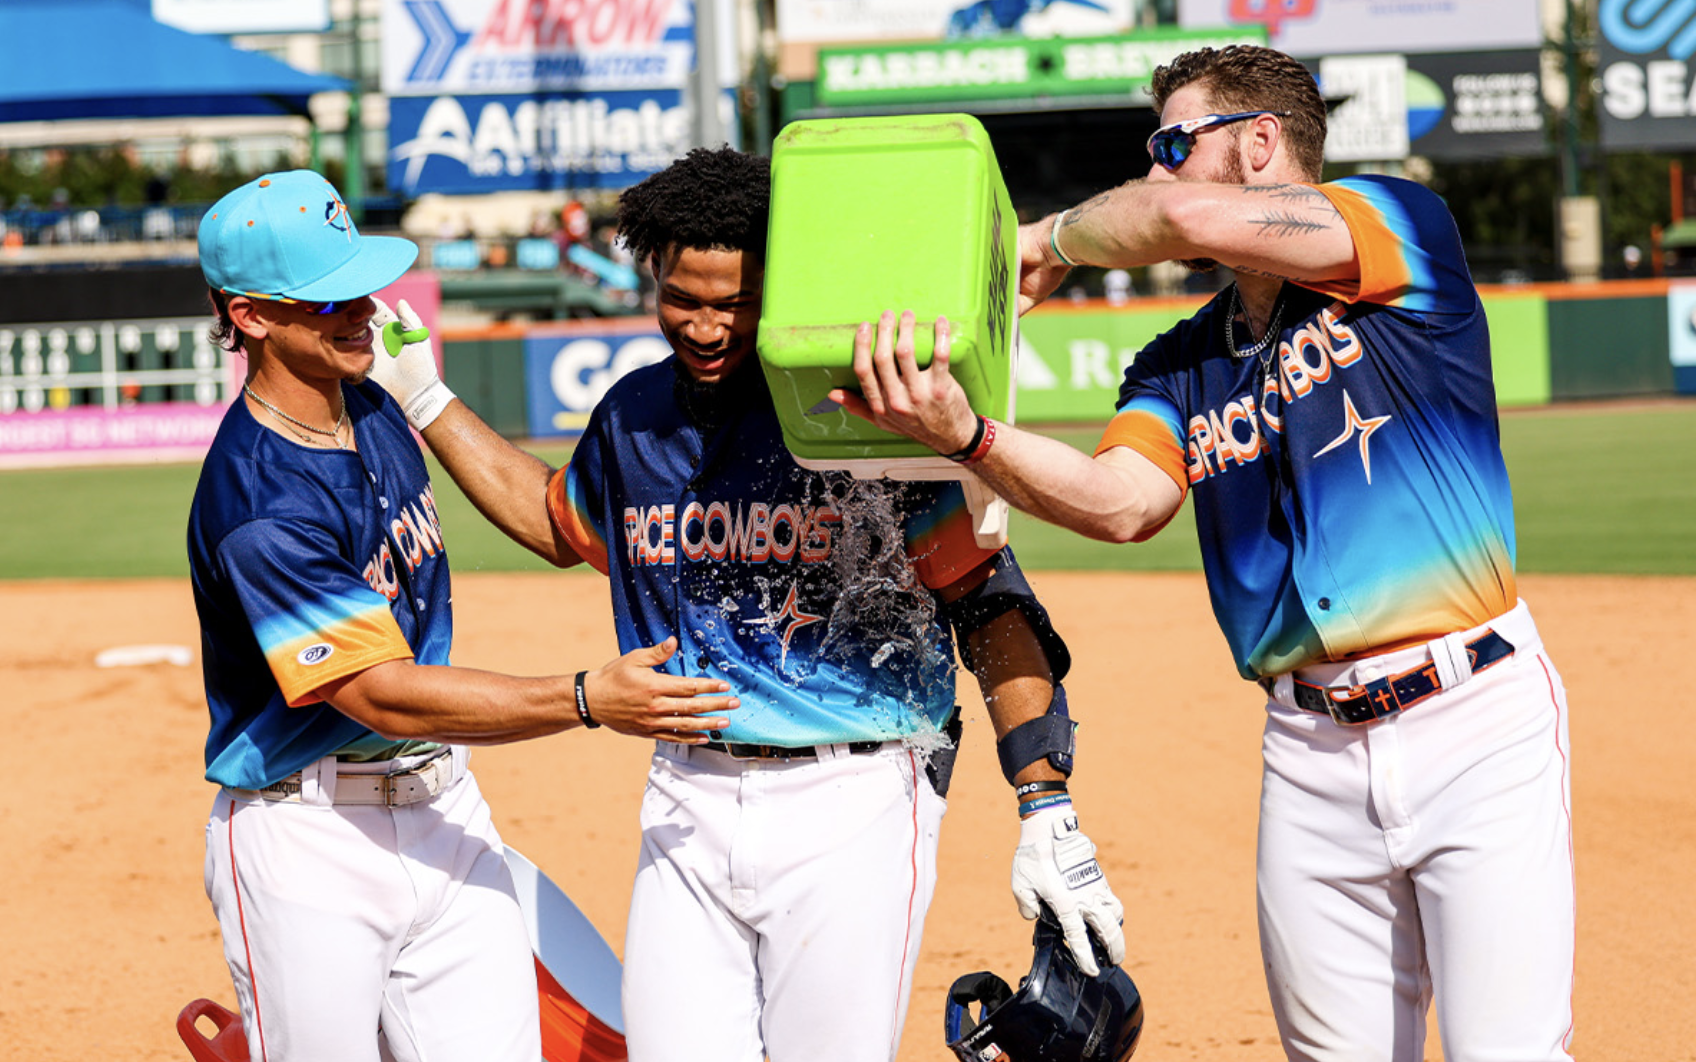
(1171, 145)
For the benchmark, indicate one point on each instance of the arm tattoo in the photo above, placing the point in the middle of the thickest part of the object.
(1088, 206)
(1260, 273)
(1303, 201)
(1296, 195)
(1285, 223)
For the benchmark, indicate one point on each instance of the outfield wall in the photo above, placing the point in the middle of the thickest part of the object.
(1551, 343)
(108, 390)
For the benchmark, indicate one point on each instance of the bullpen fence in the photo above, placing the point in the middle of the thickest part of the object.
(154, 388)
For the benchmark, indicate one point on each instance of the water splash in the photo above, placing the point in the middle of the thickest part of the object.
(884, 620)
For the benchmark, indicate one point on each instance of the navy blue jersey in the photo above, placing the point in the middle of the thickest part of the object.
(309, 565)
(1350, 491)
(767, 576)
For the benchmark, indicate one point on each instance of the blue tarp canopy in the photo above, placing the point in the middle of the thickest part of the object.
(109, 59)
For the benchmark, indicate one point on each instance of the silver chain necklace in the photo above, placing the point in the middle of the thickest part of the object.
(333, 433)
(1265, 340)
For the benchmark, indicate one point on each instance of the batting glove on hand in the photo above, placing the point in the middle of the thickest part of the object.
(1055, 864)
(405, 364)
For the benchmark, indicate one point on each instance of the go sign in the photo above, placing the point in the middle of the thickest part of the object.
(567, 374)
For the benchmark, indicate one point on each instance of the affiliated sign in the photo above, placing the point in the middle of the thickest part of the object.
(1648, 95)
(467, 144)
(1007, 68)
(1312, 28)
(566, 374)
(244, 16)
(445, 47)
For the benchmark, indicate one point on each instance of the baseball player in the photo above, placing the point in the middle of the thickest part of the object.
(787, 864)
(1333, 417)
(359, 884)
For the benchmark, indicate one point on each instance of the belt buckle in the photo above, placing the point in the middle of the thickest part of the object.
(1376, 699)
(393, 792)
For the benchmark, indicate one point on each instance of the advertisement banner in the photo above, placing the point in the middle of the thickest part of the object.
(1476, 105)
(821, 21)
(469, 144)
(567, 372)
(489, 47)
(1313, 28)
(163, 431)
(1371, 122)
(1643, 55)
(1681, 334)
(1071, 361)
(225, 17)
(1009, 68)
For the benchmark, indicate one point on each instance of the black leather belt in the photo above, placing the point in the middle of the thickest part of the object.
(1356, 705)
(737, 750)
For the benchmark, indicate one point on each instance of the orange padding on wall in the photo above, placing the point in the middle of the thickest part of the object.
(569, 1032)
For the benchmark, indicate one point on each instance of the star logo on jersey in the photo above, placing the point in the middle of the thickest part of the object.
(790, 618)
(1353, 422)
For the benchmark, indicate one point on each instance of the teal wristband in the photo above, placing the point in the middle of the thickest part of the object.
(1048, 800)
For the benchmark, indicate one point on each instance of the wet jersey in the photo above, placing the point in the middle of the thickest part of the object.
(1349, 488)
(808, 592)
(309, 565)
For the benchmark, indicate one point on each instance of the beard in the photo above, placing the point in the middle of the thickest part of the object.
(1234, 174)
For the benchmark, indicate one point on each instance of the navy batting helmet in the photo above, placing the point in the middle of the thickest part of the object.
(1059, 1014)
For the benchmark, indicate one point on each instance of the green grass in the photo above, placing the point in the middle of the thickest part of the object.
(1605, 490)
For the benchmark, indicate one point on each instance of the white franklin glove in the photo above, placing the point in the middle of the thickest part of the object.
(1055, 865)
(405, 364)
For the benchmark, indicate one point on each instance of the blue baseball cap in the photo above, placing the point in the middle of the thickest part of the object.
(289, 235)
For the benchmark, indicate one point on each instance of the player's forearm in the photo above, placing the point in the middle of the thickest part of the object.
(1282, 230)
(1054, 482)
(1017, 685)
(407, 701)
(506, 484)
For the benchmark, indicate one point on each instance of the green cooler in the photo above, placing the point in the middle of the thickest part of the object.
(874, 214)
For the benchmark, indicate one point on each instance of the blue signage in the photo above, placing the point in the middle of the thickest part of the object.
(534, 141)
(565, 375)
(1681, 331)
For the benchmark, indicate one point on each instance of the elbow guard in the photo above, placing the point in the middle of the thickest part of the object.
(1053, 735)
(1006, 591)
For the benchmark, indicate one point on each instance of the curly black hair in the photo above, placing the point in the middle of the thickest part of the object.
(710, 199)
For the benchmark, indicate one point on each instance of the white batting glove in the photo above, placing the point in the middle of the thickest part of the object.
(405, 364)
(1055, 864)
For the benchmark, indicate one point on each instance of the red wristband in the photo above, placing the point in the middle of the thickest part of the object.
(982, 449)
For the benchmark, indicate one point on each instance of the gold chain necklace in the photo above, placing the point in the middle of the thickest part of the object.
(333, 433)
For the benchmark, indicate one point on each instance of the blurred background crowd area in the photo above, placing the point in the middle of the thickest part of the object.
(489, 130)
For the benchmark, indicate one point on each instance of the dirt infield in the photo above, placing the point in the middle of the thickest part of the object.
(106, 932)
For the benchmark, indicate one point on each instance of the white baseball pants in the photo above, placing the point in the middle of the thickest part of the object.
(778, 906)
(1425, 854)
(343, 920)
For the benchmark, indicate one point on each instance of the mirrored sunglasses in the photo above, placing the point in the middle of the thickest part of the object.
(1171, 145)
(321, 309)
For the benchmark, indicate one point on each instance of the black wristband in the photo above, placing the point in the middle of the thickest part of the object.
(971, 447)
(1046, 786)
(583, 701)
